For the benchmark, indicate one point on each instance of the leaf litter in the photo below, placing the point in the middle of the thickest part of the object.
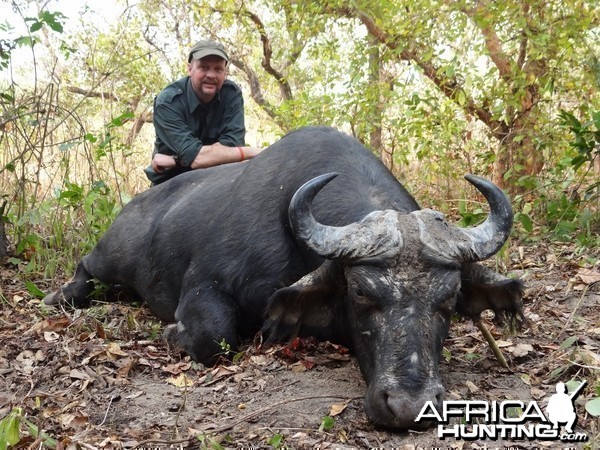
(104, 378)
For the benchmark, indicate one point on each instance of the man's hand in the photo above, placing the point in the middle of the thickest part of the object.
(161, 162)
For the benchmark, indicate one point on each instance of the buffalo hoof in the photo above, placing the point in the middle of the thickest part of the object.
(52, 298)
(170, 333)
(57, 298)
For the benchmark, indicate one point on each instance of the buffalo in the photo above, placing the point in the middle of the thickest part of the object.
(313, 237)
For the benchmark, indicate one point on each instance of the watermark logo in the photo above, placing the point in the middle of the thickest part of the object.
(509, 419)
(561, 407)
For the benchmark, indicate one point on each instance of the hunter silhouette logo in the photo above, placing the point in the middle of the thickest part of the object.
(508, 419)
(561, 408)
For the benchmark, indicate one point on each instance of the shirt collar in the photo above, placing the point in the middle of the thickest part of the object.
(193, 100)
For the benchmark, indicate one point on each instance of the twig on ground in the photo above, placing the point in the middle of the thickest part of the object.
(492, 343)
(36, 443)
(110, 402)
(180, 409)
(9, 325)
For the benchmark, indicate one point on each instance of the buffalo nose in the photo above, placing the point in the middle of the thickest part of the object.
(406, 406)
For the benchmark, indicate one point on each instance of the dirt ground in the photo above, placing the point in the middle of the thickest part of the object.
(104, 378)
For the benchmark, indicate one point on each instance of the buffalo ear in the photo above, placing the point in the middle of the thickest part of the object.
(483, 289)
(308, 307)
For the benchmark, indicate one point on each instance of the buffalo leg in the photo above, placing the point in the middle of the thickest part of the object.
(206, 324)
(76, 292)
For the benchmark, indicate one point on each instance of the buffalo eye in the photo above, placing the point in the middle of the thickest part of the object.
(360, 295)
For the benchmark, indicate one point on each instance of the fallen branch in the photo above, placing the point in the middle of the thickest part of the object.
(492, 342)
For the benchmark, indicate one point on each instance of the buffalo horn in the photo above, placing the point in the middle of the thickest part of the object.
(375, 235)
(489, 237)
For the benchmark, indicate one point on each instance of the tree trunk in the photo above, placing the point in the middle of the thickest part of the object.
(375, 131)
(501, 166)
(517, 152)
(3, 240)
(140, 121)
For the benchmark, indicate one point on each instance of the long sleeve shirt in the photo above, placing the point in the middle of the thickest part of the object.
(183, 124)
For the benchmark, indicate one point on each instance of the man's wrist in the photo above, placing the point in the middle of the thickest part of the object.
(242, 155)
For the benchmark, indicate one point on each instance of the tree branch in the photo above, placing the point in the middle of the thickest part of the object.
(256, 90)
(524, 42)
(297, 47)
(145, 117)
(500, 59)
(90, 93)
(252, 78)
(449, 86)
(286, 90)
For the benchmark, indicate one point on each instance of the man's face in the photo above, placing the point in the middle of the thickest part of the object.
(207, 76)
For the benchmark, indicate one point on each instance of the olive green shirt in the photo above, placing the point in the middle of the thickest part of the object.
(183, 124)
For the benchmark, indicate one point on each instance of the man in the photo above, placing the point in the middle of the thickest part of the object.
(199, 119)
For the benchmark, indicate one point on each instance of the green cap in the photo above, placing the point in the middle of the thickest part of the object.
(205, 48)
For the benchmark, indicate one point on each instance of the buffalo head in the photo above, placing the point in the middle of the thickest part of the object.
(388, 287)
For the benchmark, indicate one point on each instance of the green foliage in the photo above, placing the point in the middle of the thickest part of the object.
(227, 352)
(524, 218)
(225, 347)
(277, 441)
(51, 19)
(7, 46)
(586, 142)
(45, 237)
(327, 423)
(43, 138)
(11, 434)
(446, 354)
(472, 356)
(33, 290)
(567, 206)
(470, 218)
(593, 407)
(9, 429)
(568, 342)
(209, 442)
(514, 412)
